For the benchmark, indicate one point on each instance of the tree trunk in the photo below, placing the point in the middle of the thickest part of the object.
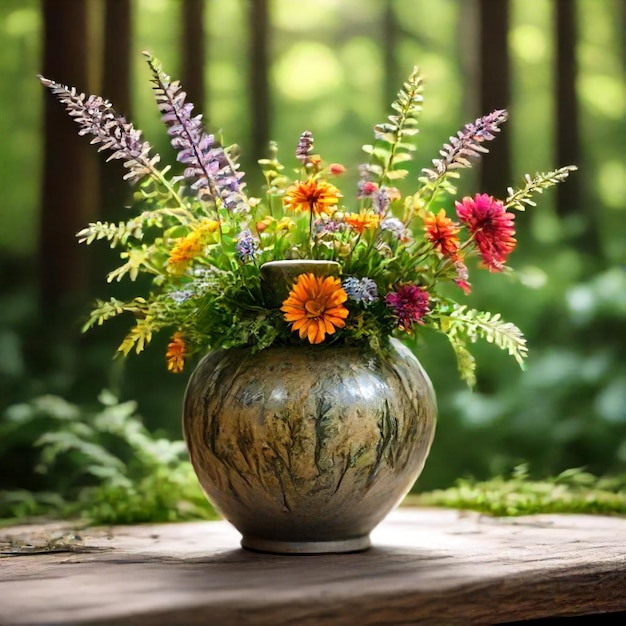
(622, 27)
(70, 164)
(495, 173)
(571, 198)
(566, 113)
(193, 51)
(258, 71)
(116, 81)
(467, 56)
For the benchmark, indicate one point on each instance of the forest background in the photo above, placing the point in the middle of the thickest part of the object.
(261, 70)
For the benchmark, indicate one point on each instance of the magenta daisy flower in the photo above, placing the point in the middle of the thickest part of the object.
(491, 226)
(409, 304)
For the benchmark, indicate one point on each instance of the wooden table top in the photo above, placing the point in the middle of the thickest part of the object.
(426, 566)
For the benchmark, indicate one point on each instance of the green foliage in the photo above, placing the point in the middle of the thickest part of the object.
(104, 311)
(464, 325)
(522, 197)
(572, 491)
(102, 465)
(393, 144)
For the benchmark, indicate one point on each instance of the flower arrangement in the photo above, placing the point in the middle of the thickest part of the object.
(203, 240)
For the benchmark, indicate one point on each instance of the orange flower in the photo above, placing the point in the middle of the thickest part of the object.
(313, 195)
(191, 245)
(442, 232)
(315, 307)
(362, 221)
(175, 354)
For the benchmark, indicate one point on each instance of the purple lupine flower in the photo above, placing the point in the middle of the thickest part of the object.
(467, 143)
(361, 290)
(210, 168)
(304, 147)
(98, 118)
(246, 245)
(409, 303)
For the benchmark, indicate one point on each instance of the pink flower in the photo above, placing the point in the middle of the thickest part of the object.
(491, 226)
(336, 169)
(409, 304)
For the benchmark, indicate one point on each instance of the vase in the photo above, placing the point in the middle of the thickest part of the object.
(306, 449)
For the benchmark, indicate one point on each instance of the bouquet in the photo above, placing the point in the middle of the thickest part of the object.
(203, 239)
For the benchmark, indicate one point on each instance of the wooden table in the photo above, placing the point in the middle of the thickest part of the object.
(427, 566)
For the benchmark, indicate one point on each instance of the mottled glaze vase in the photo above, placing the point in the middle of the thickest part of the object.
(306, 449)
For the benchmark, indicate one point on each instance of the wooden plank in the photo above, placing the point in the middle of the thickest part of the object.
(427, 566)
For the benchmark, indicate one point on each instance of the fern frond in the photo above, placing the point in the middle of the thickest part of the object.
(114, 233)
(139, 260)
(519, 198)
(393, 138)
(104, 311)
(466, 363)
(139, 336)
(463, 325)
(55, 444)
(473, 325)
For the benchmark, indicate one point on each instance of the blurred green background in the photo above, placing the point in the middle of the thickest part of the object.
(273, 69)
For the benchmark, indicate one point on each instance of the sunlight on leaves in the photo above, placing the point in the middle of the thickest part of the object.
(604, 95)
(307, 71)
(611, 184)
(529, 43)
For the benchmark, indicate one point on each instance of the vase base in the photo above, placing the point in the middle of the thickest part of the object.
(354, 544)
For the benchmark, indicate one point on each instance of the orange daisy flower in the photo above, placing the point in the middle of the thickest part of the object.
(442, 232)
(175, 355)
(362, 221)
(315, 307)
(312, 195)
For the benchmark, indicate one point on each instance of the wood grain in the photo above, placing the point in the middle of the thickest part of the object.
(427, 566)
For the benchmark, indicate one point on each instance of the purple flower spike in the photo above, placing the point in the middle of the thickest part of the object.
(304, 147)
(209, 167)
(98, 118)
(468, 143)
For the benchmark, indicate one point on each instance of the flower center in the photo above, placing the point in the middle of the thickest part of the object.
(314, 308)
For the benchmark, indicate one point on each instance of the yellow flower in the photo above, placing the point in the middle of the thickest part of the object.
(175, 355)
(315, 307)
(191, 245)
(362, 221)
(285, 223)
(312, 195)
